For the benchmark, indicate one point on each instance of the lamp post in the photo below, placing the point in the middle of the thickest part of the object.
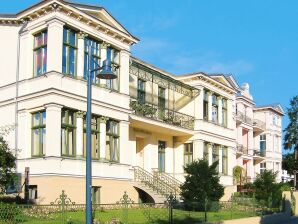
(105, 73)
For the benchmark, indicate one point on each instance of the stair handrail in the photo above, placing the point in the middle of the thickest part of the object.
(168, 179)
(153, 182)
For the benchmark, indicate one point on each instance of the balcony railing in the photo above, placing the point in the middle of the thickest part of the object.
(242, 149)
(258, 152)
(244, 118)
(162, 114)
(259, 124)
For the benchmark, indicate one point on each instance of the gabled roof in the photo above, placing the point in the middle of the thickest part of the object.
(94, 16)
(276, 107)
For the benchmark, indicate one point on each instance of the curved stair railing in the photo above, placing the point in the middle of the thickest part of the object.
(169, 180)
(154, 182)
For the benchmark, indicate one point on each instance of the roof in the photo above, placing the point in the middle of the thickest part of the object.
(276, 107)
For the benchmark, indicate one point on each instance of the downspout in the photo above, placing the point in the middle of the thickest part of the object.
(17, 88)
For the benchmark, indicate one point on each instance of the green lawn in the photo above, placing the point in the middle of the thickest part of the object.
(134, 215)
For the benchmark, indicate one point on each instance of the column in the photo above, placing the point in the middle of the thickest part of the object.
(81, 55)
(124, 72)
(198, 101)
(231, 113)
(102, 137)
(220, 159)
(210, 106)
(126, 153)
(55, 45)
(103, 56)
(53, 127)
(79, 134)
(198, 149)
(250, 142)
(219, 115)
(210, 145)
(26, 55)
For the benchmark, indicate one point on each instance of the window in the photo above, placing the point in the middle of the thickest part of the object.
(95, 61)
(188, 153)
(112, 141)
(161, 102)
(95, 138)
(32, 192)
(40, 53)
(141, 91)
(206, 152)
(114, 56)
(38, 133)
(224, 112)
(205, 106)
(274, 120)
(262, 167)
(225, 160)
(262, 144)
(214, 109)
(161, 156)
(69, 58)
(95, 194)
(215, 156)
(68, 129)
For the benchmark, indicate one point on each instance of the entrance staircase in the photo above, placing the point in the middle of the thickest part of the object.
(158, 185)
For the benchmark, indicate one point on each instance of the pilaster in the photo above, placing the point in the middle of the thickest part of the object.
(126, 153)
(124, 72)
(209, 106)
(79, 134)
(219, 101)
(81, 55)
(102, 137)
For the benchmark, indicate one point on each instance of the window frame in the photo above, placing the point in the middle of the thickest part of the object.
(188, 153)
(224, 160)
(98, 197)
(224, 112)
(40, 127)
(45, 52)
(112, 136)
(205, 105)
(95, 56)
(116, 68)
(69, 46)
(93, 131)
(66, 126)
(162, 154)
(141, 91)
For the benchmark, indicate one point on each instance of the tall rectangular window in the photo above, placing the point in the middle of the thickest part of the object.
(112, 141)
(114, 56)
(32, 192)
(141, 91)
(225, 160)
(224, 112)
(205, 106)
(95, 60)
(262, 167)
(38, 133)
(263, 144)
(206, 151)
(69, 57)
(161, 156)
(68, 132)
(95, 138)
(188, 153)
(215, 155)
(40, 53)
(161, 102)
(214, 109)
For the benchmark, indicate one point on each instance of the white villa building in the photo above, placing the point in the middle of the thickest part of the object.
(146, 124)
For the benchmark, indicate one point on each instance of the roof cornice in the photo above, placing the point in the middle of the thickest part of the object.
(45, 7)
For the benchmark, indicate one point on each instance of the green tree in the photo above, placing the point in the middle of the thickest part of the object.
(7, 166)
(267, 191)
(201, 183)
(289, 163)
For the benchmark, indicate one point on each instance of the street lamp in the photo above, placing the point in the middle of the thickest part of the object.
(105, 73)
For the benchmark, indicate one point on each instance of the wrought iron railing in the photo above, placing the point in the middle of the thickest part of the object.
(244, 118)
(153, 182)
(169, 180)
(257, 152)
(162, 114)
(259, 124)
(242, 149)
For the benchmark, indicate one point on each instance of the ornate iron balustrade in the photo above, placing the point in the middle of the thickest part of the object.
(257, 152)
(153, 182)
(169, 180)
(162, 114)
(242, 149)
(244, 118)
(259, 124)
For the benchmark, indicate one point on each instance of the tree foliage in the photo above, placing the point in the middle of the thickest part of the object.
(7, 166)
(237, 174)
(289, 163)
(201, 183)
(291, 131)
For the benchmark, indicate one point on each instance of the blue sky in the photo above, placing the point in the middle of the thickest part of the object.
(256, 41)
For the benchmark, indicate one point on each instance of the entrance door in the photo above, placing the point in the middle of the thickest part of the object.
(161, 156)
(140, 152)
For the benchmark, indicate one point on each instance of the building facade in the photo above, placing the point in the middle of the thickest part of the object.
(146, 124)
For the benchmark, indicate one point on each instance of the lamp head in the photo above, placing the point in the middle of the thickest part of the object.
(106, 71)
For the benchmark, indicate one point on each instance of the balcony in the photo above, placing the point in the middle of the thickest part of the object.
(258, 155)
(242, 118)
(167, 116)
(241, 150)
(258, 125)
